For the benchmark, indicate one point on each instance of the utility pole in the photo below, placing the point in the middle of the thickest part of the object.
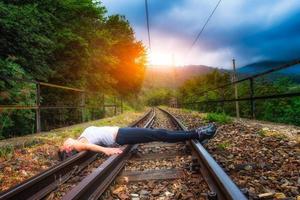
(234, 78)
(174, 82)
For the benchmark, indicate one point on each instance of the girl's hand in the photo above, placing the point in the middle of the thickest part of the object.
(112, 151)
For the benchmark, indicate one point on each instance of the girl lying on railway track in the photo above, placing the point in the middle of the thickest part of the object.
(104, 139)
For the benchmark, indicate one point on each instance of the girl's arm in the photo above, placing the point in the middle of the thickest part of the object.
(108, 151)
(71, 144)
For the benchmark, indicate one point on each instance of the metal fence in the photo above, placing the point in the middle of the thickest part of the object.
(38, 107)
(252, 98)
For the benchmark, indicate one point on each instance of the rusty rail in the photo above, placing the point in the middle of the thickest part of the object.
(93, 186)
(42, 184)
(223, 188)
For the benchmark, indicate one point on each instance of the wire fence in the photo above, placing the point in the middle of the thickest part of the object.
(251, 98)
(77, 99)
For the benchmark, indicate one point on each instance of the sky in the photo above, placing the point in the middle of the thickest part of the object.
(248, 31)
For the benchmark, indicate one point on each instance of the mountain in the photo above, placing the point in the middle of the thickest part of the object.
(170, 77)
(292, 72)
(262, 66)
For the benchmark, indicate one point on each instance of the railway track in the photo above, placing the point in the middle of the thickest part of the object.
(147, 171)
(41, 185)
(156, 165)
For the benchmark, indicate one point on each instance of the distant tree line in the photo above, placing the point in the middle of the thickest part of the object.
(284, 110)
(66, 42)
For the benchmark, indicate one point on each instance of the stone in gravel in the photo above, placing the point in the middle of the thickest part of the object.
(169, 194)
(134, 187)
(189, 195)
(294, 190)
(144, 192)
(134, 195)
(279, 195)
(135, 198)
(248, 167)
(155, 192)
(123, 196)
(231, 166)
(266, 195)
(118, 190)
(151, 184)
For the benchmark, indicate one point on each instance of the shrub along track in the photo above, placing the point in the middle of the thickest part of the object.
(61, 177)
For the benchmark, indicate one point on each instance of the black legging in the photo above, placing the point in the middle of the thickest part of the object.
(144, 135)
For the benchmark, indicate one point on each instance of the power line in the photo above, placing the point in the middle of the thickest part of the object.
(199, 34)
(148, 26)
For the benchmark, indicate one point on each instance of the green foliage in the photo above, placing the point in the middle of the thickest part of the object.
(14, 122)
(193, 89)
(284, 110)
(67, 42)
(7, 151)
(221, 118)
(262, 133)
(157, 97)
(224, 145)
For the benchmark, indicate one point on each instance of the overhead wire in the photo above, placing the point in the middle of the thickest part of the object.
(203, 27)
(148, 25)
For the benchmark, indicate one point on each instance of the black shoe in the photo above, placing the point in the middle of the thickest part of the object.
(63, 155)
(206, 132)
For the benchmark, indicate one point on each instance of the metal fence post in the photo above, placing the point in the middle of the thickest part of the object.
(234, 78)
(115, 106)
(251, 98)
(103, 104)
(83, 107)
(206, 103)
(121, 105)
(38, 109)
(223, 100)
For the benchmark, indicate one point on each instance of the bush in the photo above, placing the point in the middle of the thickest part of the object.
(158, 97)
(221, 118)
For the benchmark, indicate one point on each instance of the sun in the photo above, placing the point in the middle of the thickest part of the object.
(162, 58)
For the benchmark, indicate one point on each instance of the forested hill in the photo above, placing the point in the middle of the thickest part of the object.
(258, 67)
(169, 77)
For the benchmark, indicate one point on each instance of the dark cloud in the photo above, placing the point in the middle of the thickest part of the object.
(248, 30)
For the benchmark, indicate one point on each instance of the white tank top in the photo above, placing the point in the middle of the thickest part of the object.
(104, 136)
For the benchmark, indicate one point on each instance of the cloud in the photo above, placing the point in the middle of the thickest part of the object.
(247, 30)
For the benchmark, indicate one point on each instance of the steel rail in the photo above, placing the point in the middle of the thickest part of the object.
(219, 182)
(40, 185)
(93, 186)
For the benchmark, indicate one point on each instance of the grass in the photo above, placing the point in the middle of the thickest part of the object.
(262, 133)
(218, 117)
(57, 136)
(7, 151)
(224, 145)
(268, 133)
